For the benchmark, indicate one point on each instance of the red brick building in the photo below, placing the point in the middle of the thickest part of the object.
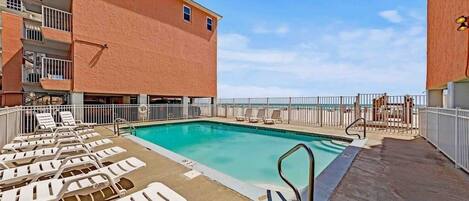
(447, 54)
(107, 51)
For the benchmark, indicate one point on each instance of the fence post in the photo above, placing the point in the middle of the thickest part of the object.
(437, 128)
(341, 111)
(267, 109)
(167, 111)
(456, 140)
(320, 116)
(289, 110)
(249, 103)
(6, 127)
(233, 109)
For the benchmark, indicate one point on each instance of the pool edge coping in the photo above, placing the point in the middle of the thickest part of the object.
(325, 183)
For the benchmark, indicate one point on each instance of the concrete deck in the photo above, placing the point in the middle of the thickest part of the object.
(392, 167)
(403, 170)
(166, 171)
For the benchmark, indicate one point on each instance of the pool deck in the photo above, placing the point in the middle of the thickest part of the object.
(390, 167)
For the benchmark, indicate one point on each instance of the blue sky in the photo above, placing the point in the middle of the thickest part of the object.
(320, 47)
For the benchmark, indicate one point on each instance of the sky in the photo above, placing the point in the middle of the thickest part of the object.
(281, 48)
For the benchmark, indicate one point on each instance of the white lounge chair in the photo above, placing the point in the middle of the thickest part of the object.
(48, 153)
(47, 123)
(55, 188)
(83, 135)
(24, 146)
(69, 120)
(154, 192)
(39, 169)
(260, 116)
(247, 115)
(275, 117)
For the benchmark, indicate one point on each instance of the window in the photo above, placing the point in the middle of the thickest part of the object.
(187, 13)
(14, 4)
(209, 24)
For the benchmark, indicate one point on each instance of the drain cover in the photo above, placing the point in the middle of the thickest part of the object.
(192, 174)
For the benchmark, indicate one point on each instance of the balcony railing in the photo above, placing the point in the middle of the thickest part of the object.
(32, 32)
(56, 69)
(56, 19)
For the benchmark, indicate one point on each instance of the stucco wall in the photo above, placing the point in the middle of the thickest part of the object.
(12, 58)
(151, 50)
(447, 48)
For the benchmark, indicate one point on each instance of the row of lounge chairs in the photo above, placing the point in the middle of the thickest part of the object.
(261, 116)
(32, 167)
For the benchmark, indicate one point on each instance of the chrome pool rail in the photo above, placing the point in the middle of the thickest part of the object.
(118, 121)
(310, 193)
(353, 124)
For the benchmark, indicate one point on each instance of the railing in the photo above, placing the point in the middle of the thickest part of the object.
(310, 195)
(353, 124)
(106, 114)
(117, 128)
(448, 131)
(56, 69)
(56, 19)
(9, 124)
(32, 32)
(383, 112)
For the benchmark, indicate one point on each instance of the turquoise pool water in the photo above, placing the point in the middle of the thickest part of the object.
(245, 153)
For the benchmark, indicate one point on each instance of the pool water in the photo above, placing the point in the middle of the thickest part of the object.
(245, 153)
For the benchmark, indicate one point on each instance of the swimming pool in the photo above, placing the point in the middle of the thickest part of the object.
(246, 153)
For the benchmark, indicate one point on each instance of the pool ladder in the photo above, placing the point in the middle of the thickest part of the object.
(310, 195)
(353, 124)
(117, 129)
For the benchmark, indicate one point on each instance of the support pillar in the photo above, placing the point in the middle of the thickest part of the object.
(143, 100)
(435, 98)
(77, 102)
(458, 95)
(185, 107)
(213, 102)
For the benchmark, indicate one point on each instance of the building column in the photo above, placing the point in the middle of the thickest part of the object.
(143, 99)
(435, 98)
(458, 95)
(77, 102)
(185, 107)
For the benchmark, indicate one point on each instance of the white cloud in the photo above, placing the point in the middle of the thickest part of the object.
(279, 30)
(232, 41)
(391, 15)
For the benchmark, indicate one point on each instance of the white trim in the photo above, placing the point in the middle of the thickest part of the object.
(211, 24)
(184, 6)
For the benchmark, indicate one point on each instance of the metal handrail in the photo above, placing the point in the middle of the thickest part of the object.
(117, 123)
(311, 171)
(353, 123)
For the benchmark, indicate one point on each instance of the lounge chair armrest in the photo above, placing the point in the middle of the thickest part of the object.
(64, 166)
(61, 149)
(91, 155)
(85, 176)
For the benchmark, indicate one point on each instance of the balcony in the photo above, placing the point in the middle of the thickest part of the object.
(51, 73)
(56, 25)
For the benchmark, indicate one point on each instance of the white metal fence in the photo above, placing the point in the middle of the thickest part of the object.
(56, 69)
(22, 119)
(383, 112)
(56, 19)
(448, 130)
